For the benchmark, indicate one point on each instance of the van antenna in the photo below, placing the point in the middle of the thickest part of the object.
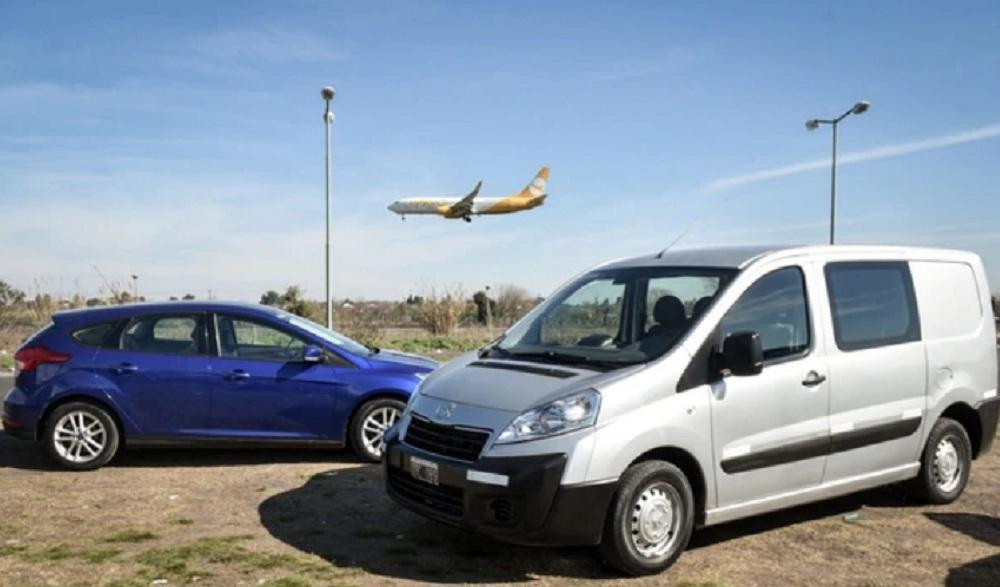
(676, 240)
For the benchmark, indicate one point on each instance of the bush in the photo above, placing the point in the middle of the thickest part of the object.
(440, 312)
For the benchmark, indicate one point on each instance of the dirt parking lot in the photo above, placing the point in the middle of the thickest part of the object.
(320, 518)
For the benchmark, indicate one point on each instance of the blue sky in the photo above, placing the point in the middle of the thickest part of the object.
(183, 141)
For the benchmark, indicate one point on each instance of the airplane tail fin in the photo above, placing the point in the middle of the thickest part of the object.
(536, 188)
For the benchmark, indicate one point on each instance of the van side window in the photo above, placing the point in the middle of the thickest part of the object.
(775, 308)
(873, 304)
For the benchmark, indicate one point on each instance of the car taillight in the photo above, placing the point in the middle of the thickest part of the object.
(28, 358)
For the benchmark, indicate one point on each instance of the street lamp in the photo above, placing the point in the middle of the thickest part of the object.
(328, 93)
(813, 124)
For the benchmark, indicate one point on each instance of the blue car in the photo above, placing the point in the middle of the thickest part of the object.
(193, 373)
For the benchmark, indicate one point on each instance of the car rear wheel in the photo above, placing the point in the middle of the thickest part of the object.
(650, 520)
(371, 423)
(81, 436)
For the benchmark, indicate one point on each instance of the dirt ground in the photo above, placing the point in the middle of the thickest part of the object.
(296, 518)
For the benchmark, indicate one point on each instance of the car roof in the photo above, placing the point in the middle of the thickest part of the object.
(739, 257)
(114, 312)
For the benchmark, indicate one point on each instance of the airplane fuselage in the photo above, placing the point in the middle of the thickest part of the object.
(440, 206)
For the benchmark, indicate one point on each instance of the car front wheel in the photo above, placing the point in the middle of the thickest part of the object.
(81, 436)
(370, 424)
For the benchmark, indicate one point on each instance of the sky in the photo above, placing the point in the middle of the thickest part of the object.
(183, 142)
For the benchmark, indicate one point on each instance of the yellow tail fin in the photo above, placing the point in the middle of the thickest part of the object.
(536, 188)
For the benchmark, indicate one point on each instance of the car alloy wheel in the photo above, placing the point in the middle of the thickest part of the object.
(79, 437)
(374, 427)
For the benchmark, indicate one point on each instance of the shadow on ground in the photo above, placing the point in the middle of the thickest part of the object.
(19, 454)
(984, 571)
(346, 518)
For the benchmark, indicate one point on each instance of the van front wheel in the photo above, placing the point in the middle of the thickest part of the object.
(650, 520)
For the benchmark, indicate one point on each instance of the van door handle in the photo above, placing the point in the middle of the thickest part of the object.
(124, 368)
(237, 375)
(813, 379)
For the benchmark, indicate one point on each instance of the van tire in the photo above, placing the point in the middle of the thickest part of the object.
(93, 421)
(654, 483)
(947, 447)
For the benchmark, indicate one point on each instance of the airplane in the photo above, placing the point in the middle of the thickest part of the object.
(532, 196)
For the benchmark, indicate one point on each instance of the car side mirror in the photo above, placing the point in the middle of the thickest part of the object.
(312, 354)
(742, 354)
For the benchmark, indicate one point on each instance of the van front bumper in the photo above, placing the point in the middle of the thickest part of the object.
(515, 499)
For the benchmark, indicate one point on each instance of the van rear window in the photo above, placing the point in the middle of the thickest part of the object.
(873, 304)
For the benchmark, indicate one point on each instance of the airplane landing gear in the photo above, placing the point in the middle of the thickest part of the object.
(467, 218)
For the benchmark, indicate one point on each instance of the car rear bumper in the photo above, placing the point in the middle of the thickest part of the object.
(515, 499)
(19, 419)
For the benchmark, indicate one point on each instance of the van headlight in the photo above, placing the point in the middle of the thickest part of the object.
(563, 415)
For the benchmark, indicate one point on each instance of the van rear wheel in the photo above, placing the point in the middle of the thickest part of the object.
(650, 520)
(945, 464)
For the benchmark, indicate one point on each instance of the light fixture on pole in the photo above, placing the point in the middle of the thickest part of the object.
(812, 124)
(328, 93)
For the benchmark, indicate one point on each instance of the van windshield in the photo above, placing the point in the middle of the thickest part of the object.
(612, 318)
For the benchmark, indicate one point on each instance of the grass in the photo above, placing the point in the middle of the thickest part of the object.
(187, 562)
(94, 556)
(130, 536)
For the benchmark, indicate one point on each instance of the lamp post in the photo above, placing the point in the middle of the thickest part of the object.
(813, 124)
(328, 93)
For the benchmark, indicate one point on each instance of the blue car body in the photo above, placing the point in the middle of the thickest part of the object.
(180, 394)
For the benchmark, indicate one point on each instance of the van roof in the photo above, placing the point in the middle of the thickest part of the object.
(742, 256)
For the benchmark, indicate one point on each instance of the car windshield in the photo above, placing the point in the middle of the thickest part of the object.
(612, 318)
(331, 336)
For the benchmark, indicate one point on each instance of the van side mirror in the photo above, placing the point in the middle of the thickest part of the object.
(312, 354)
(742, 354)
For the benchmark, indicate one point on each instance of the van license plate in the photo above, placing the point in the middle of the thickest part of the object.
(425, 471)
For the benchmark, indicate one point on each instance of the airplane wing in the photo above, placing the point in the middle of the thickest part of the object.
(463, 207)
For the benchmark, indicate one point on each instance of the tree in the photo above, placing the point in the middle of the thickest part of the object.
(270, 298)
(10, 295)
(484, 303)
(188, 297)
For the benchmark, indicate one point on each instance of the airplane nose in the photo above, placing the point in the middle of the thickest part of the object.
(392, 207)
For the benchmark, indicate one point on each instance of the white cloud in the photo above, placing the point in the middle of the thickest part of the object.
(883, 152)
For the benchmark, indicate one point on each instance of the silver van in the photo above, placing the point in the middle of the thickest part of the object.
(652, 395)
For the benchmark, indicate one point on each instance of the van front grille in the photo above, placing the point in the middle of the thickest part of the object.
(463, 444)
(443, 499)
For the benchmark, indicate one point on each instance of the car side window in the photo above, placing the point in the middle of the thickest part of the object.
(250, 339)
(873, 304)
(181, 334)
(776, 308)
(98, 335)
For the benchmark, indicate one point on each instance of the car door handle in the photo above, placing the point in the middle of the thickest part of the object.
(124, 368)
(813, 379)
(237, 375)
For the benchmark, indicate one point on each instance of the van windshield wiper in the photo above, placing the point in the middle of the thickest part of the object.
(494, 347)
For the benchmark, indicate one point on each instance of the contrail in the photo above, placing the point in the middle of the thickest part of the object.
(884, 152)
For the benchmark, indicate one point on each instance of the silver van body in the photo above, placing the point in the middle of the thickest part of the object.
(837, 416)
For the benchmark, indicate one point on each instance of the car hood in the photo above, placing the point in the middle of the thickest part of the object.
(389, 359)
(511, 385)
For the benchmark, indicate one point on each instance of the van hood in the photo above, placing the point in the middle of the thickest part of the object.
(508, 385)
(389, 359)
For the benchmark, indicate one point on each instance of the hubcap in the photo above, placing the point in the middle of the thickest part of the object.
(654, 520)
(374, 427)
(79, 437)
(947, 465)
